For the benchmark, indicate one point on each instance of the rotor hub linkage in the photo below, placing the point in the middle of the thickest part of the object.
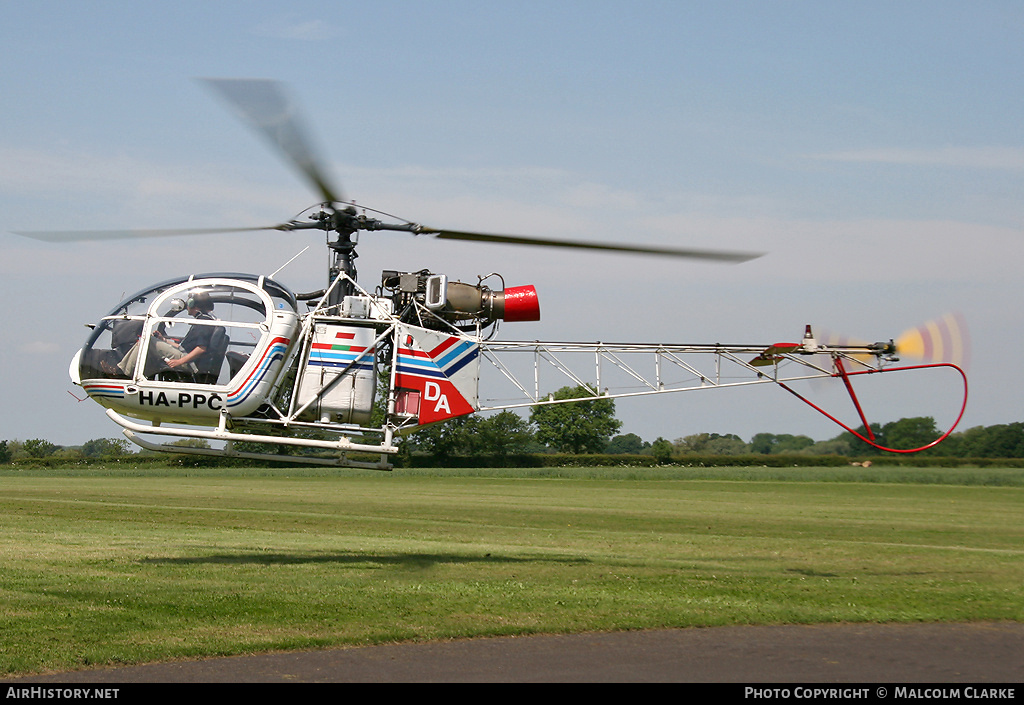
(347, 221)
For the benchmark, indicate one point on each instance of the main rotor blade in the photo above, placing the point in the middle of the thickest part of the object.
(720, 255)
(85, 235)
(266, 107)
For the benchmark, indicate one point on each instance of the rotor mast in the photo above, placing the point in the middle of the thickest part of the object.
(345, 223)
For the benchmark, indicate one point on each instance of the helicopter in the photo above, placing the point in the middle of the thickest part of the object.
(339, 375)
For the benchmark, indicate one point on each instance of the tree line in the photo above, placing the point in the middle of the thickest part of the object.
(590, 427)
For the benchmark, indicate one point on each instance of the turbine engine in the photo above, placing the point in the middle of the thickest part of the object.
(458, 301)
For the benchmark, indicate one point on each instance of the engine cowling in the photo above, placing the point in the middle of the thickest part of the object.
(461, 300)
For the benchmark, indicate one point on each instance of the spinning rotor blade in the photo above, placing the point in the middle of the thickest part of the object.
(836, 340)
(266, 107)
(84, 235)
(580, 244)
(944, 339)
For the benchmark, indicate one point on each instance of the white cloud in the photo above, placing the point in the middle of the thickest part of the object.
(303, 31)
(1011, 158)
(40, 347)
(136, 193)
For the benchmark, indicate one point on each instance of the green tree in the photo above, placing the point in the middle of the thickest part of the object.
(5, 452)
(39, 448)
(711, 444)
(909, 433)
(999, 441)
(662, 450)
(728, 444)
(836, 446)
(763, 443)
(1006, 441)
(576, 427)
(447, 439)
(503, 434)
(694, 443)
(629, 443)
(972, 442)
(859, 447)
(788, 443)
(783, 443)
(105, 447)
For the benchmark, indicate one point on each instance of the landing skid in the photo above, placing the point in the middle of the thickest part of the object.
(132, 431)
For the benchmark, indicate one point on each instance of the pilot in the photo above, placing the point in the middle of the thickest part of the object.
(174, 355)
(197, 341)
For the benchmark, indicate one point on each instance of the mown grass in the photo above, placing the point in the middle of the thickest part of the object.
(106, 566)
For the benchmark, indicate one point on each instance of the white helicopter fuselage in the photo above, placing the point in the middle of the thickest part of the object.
(268, 369)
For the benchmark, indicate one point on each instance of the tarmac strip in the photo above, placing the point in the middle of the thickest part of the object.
(843, 653)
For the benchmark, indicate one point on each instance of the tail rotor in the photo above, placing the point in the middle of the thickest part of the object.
(943, 339)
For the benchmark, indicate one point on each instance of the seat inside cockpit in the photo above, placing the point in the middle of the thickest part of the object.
(209, 365)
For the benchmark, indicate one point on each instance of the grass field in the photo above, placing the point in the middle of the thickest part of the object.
(111, 566)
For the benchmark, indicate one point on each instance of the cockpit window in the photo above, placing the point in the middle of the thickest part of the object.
(193, 332)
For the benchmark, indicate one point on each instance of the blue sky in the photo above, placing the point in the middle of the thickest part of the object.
(873, 150)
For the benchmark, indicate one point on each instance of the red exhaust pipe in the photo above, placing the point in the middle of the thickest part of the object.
(521, 304)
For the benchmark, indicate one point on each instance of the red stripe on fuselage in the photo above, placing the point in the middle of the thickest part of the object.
(443, 346)
(256, 369)
(412, 353)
